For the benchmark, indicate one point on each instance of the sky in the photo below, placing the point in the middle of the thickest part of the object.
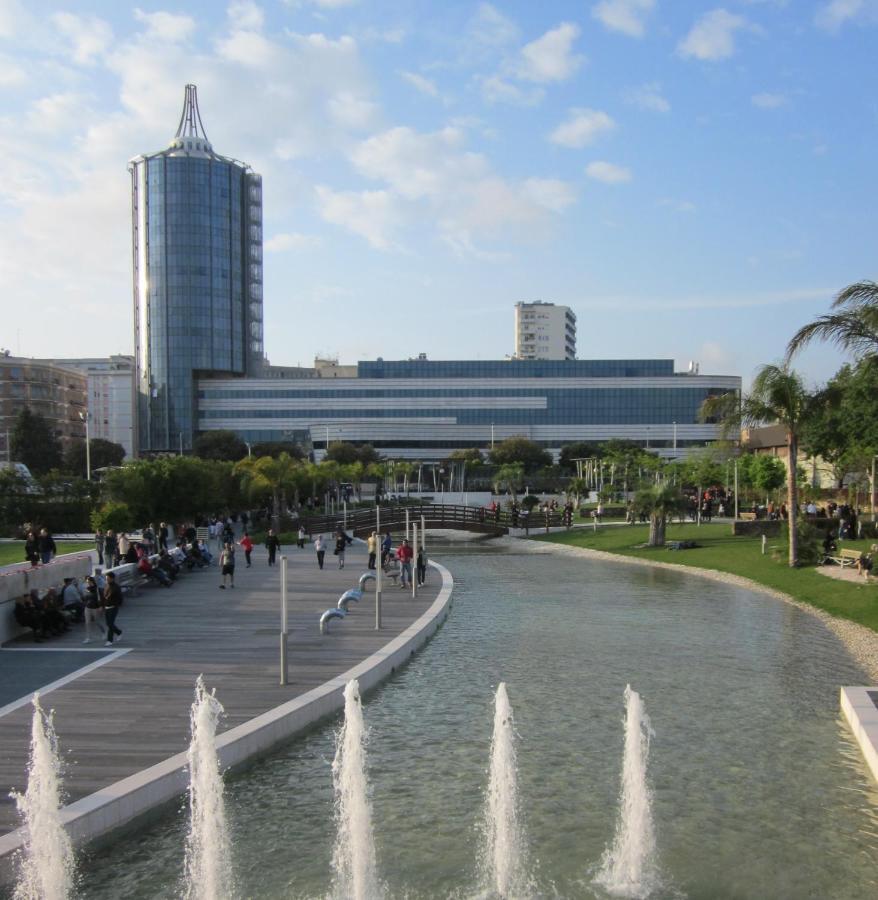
(696, 180)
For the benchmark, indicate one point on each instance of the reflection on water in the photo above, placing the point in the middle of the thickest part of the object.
(758, 790)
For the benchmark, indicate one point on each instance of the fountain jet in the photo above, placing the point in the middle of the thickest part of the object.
(628, 868)
(353, 858)
(208, 874)
(504, 867)
(47, 864)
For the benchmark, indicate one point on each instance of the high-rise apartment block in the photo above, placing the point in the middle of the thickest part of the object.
(197, 242)
(544, 331)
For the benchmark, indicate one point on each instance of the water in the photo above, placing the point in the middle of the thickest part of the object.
(629, 866)
(504, 858)
(353, 858)
(208, 869)
(47, 864)
(758, 787)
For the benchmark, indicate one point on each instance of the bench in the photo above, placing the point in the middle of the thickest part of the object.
(747, 516)
(846, 557)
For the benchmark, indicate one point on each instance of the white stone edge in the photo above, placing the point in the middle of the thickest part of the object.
(862, 717)
(120, 803)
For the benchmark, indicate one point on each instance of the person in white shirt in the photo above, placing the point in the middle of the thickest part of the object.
(320, 547)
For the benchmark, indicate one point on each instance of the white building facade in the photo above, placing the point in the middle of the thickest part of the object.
(544, 331)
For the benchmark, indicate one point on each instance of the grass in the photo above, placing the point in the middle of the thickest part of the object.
(14, 551)
(721, 551)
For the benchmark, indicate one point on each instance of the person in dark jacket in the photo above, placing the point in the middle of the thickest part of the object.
(47, 546)
(111, 549)
(112, 603)
(272, 544)
(163, 536)
(32, 549)
(100, 538)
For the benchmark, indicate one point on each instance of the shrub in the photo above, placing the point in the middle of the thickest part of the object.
(112, 516)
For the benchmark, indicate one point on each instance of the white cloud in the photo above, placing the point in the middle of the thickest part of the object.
(245, 15)
(422, 84)
(166, 26)
(370, 214)
(11, 73)
(680, 206)
(496, 89)
(291, 240)
(582, 127)
(89, 36)
(608, 173)
(648, 96)
(832, 16)
(550, 57)
(626, 16)
(12, 16)
(768, 101)
(490, 28)
(712, 37)
(352, 110)
(550, 193)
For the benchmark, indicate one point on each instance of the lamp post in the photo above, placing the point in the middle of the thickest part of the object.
(378, 568)
(249, 449)
(873, 486)
(675, 439)
(85, 416)
(283, 620)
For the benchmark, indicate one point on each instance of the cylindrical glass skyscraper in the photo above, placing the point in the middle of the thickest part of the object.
(197, 243)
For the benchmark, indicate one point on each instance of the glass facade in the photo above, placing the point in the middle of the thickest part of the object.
(197, 239)
(419, 407)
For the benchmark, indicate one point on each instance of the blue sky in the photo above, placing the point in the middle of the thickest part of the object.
(695, 179)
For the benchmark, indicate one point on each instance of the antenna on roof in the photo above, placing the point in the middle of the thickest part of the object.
(190, 122)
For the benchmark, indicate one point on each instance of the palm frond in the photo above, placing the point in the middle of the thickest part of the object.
(855, 332)
(859, 295)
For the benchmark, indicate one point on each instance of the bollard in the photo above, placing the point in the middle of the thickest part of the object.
(378, 571)
(764, 542)
(283, 620)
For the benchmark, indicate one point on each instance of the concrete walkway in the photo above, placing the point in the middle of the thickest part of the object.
(131, 710)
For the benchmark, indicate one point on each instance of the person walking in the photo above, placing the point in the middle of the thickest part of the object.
(247, 546)
(163, 536)
(386, 546)
(32, 549)
(300, 538)
(272, 544)
(421, 566)
(99, 545)
(47, 546)
(404, 554)
(112, 604)
(320, 547)
(341, 543)
(111, 549)
(93, 608)
(372, 547)
(227, 564)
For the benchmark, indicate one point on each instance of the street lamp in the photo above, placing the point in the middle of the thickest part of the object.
(249, 451)
(85, 416)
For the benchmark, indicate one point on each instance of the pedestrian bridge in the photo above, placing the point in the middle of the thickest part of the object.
(457, 517)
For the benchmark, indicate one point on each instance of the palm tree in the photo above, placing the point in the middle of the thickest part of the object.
(661, 501)
(853, 327)
(270, 475)
(777, 396)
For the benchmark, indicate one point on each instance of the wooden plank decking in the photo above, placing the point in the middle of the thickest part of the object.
(134, 711)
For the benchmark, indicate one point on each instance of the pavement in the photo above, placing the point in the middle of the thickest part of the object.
(119, 710)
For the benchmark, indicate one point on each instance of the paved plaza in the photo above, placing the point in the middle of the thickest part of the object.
(131, 709)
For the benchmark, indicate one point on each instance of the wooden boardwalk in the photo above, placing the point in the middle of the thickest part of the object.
(133, 712)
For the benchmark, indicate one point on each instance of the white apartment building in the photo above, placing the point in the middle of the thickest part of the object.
(544, 331)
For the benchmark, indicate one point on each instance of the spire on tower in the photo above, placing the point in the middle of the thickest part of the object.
(190, 122)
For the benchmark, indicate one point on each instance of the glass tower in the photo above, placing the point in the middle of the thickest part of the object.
(197, 243)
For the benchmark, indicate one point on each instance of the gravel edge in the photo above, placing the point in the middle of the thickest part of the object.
(861, 642)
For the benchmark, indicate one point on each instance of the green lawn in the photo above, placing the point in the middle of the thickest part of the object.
(14, 552)
(741, 556)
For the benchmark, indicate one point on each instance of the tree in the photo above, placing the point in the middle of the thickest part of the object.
(34, 443)
(275, 448)
(777, 395)
(702, 470)
(272, 477)
(221, 445)
(853, 327)
(521, 450)
(103, 454)
(578, 450)
(510, 475)
(659, 502)
(471, 455)
(345, 453)
(768, 474)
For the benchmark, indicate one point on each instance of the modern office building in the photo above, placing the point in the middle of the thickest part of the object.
(55, 392)
(424, 409)
(544, 331)
(197, 245)
(110, 396)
